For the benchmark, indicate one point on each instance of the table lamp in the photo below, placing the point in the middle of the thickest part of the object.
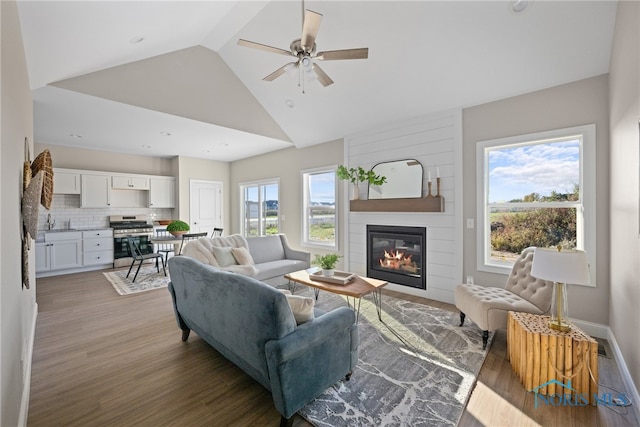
(562, 268)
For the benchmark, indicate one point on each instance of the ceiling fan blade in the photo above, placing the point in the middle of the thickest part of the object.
(261, 46)
(277, 73)
(310, 29)
(323, 78)
(330, 55)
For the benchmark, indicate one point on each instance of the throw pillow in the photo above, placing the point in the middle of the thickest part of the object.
(302, 307)
(242, 256)
(223, 255)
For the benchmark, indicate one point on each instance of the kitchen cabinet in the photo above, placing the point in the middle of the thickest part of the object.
(66, 182)
(60, 250)
(129, 182)
(43, 257)
(97, 247)
(96, 191)
(162, 192)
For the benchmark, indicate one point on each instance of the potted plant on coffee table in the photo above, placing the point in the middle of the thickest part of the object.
(327, 263)
(177, 228)
(357, 175)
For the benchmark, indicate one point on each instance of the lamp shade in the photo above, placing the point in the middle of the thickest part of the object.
(567, 266)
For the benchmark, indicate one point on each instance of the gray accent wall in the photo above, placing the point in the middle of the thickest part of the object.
(573, 104)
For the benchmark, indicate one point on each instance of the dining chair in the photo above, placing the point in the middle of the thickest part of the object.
(216, 232)
(137, 255)
(190, 236)
(164, 248)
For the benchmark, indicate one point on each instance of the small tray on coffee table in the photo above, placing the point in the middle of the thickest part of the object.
(338, 278)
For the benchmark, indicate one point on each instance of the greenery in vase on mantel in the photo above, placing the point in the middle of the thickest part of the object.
(358, 175)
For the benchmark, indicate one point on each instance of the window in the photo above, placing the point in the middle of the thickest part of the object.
(536, 190)
(319, 208)
(259, 210)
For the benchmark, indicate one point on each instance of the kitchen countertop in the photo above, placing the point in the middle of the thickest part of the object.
(40, 237)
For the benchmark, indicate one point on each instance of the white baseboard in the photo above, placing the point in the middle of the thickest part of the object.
(624, 372)
(601, 331)
(26, 389)
(593, 329)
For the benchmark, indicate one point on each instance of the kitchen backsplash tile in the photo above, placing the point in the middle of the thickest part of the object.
(65, 208)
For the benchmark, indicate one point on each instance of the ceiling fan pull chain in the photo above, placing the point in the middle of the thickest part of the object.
(302, 73)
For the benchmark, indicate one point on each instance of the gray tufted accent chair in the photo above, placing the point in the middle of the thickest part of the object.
(488, 306)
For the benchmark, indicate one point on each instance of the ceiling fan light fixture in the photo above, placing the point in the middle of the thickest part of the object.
(291, 69)
(310, 74)
(304, 50)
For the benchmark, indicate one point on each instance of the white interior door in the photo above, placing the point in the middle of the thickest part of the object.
(205, 206)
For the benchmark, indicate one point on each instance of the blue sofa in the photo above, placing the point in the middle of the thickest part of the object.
(252, 325)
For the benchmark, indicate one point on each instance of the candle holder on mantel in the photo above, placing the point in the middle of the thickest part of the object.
(437, 188)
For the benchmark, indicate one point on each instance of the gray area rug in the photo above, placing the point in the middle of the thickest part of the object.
(416, 368)
(147, 280)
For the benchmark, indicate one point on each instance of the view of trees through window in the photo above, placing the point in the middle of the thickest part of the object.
(534, 197)
(261, 214)
(320, 207)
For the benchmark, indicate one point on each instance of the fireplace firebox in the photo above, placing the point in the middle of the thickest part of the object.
(397, 254)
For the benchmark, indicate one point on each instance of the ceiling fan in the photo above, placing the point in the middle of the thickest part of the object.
(304, 49)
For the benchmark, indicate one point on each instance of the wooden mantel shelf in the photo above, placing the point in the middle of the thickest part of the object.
(424, 204)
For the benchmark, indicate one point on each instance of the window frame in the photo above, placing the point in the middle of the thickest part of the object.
(305, 241)
(586, 209)
(259, 183)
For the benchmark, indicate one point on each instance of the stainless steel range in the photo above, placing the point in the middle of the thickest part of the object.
(136, 226)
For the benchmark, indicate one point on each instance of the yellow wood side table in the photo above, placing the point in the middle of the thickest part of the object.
(546, 360)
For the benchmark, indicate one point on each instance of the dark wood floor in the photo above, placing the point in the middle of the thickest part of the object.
(101, 359)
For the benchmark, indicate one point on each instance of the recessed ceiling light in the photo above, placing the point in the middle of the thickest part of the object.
(290, 103)
(165, 133)
(75, 135)
(146, 146)
(519, 5)
(136, 39)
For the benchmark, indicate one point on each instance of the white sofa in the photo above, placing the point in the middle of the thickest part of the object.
(270, 257)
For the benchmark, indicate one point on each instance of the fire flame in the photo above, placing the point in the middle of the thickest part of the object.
(397, 260)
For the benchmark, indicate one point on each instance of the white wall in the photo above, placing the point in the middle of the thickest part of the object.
(435, 141)
(17, 305)
(624, 101)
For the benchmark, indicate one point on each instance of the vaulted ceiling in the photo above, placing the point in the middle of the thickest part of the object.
(189, 89)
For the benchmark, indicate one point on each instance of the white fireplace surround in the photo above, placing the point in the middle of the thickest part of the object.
(436, 142)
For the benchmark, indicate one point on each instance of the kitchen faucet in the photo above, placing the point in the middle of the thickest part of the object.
(51, 223)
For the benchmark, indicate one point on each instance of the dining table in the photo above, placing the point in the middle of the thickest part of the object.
(176, 241)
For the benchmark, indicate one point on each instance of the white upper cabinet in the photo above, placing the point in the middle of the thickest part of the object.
(96, 191)
(102, 189)
(129, 182)
(66, 182)
(162, 192)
